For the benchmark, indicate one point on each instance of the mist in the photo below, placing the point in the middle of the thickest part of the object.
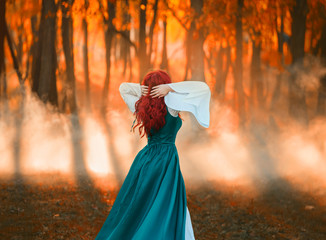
(36, 139)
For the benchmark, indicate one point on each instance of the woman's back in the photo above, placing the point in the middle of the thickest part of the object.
(168, 132)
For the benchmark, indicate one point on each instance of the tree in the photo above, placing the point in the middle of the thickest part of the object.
(297, 101)
(219, 23)
(109, 32)
(222, 60)
(85, 56)
(321, 104)
(2, 50)
(125, 45)
(151, 33)
(238, 62)
(142, 56)
(195, 37)
(280, 42)
(44, 74)
(164, 61)
(258, 31)
(67, 42)
(195, 42)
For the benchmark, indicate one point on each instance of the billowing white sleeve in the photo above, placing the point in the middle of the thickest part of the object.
(130, 93)
(190, 96)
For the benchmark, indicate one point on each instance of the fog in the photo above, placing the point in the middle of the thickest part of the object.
(36, 139)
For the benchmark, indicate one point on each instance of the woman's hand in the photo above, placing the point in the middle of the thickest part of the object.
(161, 90)
(144, 90)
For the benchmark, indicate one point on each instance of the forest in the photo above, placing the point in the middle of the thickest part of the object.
(235, 46)
(65, 138)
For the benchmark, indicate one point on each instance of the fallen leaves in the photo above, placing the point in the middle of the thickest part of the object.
(67, 211)
(309, 207)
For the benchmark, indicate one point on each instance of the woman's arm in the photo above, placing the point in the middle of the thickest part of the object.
(161, 90)
(131, 92)
(190, 96)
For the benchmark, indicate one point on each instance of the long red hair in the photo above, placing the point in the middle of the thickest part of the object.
(150, 112)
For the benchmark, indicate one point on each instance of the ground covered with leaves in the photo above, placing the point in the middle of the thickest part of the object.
(51, 207)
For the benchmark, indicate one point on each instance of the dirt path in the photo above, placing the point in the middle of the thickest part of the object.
(60, 210)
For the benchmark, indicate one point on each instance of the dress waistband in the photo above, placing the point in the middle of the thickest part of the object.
(160, 143)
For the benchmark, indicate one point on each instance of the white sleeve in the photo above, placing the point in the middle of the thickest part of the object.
(173, 112)
(190, 96)
(130, 93)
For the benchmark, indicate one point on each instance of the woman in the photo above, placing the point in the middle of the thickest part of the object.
(151, 203)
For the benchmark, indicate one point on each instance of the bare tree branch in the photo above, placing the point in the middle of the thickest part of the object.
(175, 15)
(114, 29)
(125, 36)
(105, 20)
(13, 55)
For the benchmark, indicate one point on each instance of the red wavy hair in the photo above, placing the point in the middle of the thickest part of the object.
(150, 112)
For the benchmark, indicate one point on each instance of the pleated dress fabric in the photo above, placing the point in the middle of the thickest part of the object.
(151, 203)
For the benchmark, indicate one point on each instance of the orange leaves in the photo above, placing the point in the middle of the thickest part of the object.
(147, 40)
(271, 58)
(274, 59)
(143, 7)
(65, 4)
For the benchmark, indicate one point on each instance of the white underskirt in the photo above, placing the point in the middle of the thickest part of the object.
(189, 235)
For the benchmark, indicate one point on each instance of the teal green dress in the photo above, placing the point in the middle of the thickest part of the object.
(151, 203)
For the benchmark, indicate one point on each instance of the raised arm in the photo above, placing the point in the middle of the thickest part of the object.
(190, 96)
(130, 93)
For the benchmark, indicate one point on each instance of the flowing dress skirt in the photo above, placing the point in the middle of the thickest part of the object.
(151, 203)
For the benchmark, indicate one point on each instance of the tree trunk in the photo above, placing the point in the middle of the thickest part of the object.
(298, 28)
(143, 67)
(85, 59)
(67, 42)
(2, 48)
(257, 87)
(222, 64)
(280, 42)
(125, 46)
(151, 34)
(20, 119)
(321, 104)
(297, 101)
(13, 56)
(197, 41)
(238, 63)
(116, 53)
(20, 42)
(188, 52)
(226, 71)
(109, 33)
(218, 65)
(47, 85)
(36, 52)
(164, 62)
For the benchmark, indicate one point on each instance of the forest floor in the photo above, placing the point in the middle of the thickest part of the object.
(53, 207)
